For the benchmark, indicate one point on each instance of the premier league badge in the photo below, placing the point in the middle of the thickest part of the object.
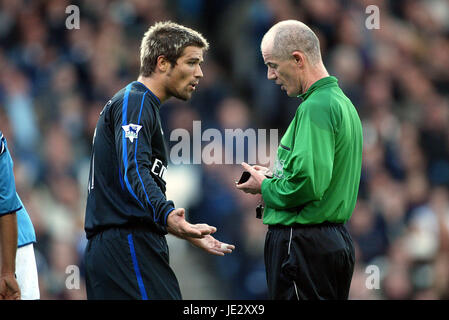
(131, 131)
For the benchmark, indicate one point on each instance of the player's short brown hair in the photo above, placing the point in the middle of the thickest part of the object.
(167, 39)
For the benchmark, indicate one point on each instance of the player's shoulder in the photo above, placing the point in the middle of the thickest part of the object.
(126, 97)
(134, 95)
(136, 102)
(118, 97)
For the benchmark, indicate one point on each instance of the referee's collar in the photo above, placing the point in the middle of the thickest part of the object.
(318, 84)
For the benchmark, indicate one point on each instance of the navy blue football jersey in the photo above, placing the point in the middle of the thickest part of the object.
(128, 164)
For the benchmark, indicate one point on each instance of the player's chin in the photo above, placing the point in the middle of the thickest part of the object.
(184, 96)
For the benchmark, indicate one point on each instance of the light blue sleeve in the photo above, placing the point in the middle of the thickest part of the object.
(26, 234)
(9, 199)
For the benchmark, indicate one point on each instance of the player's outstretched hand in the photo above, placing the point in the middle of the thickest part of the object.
(9, 289)
(178, 226)
(212, 245)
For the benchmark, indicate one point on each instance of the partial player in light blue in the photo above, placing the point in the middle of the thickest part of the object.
(9, 199)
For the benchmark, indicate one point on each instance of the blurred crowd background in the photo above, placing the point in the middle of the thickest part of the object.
(54, 82)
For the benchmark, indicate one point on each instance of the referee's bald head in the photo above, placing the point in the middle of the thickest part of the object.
(288, 36)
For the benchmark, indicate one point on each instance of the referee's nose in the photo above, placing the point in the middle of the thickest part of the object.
(271, 74)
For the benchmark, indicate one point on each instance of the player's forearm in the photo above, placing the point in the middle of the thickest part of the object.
(8, 243)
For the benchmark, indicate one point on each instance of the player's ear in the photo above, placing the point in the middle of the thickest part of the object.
(162, 64)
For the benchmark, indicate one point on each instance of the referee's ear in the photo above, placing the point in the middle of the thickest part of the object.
(299, 58)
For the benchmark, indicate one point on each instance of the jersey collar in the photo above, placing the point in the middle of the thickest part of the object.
(318, 84)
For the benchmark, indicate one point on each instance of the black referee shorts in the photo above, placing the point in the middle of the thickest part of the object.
(129, 263)
(312, 262)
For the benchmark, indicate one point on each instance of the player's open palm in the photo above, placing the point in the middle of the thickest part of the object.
(212, 245)
(178, 226)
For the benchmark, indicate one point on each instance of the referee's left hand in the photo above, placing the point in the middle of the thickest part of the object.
(179, 227)
(254, 184)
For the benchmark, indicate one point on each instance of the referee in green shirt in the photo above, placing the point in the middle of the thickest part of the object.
(314, 183)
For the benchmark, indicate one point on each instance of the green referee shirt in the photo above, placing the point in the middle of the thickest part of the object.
(317, 170)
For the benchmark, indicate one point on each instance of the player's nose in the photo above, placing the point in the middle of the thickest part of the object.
(198, 72)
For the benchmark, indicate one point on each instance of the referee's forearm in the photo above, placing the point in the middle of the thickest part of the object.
(8, 243)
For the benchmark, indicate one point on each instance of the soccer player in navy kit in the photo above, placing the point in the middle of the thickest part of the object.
(127, 213)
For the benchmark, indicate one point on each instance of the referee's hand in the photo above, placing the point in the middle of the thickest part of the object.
(179, 227)
(254, 184)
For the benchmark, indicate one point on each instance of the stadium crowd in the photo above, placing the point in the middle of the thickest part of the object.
(54, 82)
